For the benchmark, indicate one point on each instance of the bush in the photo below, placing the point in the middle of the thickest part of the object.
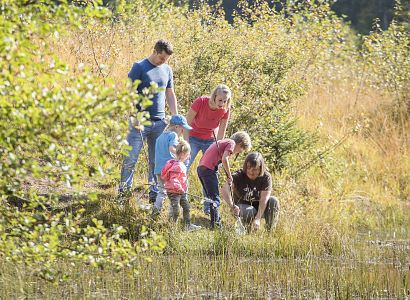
(54, 126)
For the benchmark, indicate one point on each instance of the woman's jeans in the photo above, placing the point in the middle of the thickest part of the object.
(209, 180)
(135, 139)
(271, 213)
(197, 145)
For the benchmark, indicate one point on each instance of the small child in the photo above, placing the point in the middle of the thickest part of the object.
(175, 182)
(165, 148)
(208, 168)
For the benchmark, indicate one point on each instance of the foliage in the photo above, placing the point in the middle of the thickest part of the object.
(264, 65)
(54, 127)
(387, 56)
(64, 124)
(41, 239)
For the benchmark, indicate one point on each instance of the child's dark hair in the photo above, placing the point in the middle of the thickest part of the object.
(163, 45)
(243, 139)
(182, 147)
(254, 160)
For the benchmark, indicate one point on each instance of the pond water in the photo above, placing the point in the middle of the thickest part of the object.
(272, 279)
(378, 268)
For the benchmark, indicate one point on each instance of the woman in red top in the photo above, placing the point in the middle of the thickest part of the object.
(208, 114)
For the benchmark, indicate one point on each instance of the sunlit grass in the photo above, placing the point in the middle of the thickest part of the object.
(359, 187)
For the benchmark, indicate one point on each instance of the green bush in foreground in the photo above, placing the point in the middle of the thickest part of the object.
(54, 127)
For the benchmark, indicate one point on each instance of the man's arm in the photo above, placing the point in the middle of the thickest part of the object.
(262, 206)
(222, 129)
(172, 100)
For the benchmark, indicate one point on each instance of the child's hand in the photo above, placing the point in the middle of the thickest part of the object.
(230, 180)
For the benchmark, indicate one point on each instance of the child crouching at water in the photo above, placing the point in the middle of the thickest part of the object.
(218, 152)
(175, 182)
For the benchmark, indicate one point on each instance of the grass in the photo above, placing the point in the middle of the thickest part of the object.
(325, 244)
(377, 271)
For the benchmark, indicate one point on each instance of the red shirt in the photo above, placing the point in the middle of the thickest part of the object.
(206, 119)
(212, 156)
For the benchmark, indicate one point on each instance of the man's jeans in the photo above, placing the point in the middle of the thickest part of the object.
(209, 180)
(197, 145)
(271, 213)
(135, 139)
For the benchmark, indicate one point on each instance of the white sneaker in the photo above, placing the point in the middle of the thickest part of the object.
(192, 227)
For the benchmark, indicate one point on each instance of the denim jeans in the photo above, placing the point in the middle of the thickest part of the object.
(209, 180)
(135, 139)
(271, 213)
(197, 145)
(162, 194)
(175, 201)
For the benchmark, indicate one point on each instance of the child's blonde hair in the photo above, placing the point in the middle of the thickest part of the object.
(243, 139)
(222, 89)
(182, 147)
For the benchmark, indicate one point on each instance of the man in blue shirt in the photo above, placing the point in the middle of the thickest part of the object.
(153, 69)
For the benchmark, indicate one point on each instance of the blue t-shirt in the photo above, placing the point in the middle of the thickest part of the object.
(147, 72)
(162, 154)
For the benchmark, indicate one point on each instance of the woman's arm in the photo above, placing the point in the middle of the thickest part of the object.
(223, 124)
(262, 206)
(189, 118)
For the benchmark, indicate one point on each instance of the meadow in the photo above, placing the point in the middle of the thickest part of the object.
(327, 108)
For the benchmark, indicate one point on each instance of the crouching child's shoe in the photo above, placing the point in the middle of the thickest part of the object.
(192, 227)
(154, 214)
(152, 196)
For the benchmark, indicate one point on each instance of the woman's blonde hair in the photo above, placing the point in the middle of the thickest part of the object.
(222, 89)
(243, 139)
(254, 160)
(182, 147)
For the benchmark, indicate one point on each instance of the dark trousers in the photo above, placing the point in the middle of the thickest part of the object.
(210, 184)
(271, 213)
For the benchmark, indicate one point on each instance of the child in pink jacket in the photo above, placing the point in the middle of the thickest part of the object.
(175, 182)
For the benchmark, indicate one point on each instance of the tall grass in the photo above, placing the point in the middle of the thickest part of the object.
(362, 184)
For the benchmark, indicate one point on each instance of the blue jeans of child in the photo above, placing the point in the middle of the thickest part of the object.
(271, 213)
(197, 145)
(209, 180)
(162, 193)
(135, 139)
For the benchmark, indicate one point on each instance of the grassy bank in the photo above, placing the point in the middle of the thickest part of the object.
(334, 131)
(355, 178)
